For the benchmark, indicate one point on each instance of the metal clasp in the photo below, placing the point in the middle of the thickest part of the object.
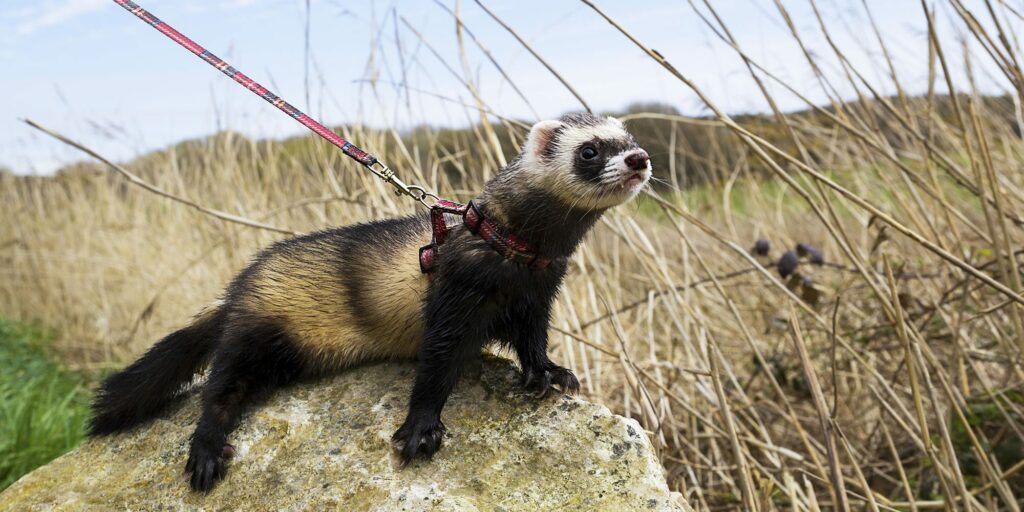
(382, 171)
(401, 188)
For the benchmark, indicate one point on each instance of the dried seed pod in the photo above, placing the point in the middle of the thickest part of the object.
(761, 247)
(812, 253)
(809, 292)
(787, 264)
(907, 300)
(779, 369)
(794, 282)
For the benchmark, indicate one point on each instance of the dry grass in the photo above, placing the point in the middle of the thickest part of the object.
(891, 381)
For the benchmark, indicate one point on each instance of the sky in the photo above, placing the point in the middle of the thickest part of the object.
(99, 75)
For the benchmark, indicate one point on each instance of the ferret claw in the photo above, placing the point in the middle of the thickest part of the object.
(418, 437)
(206, 466)
(543, 382)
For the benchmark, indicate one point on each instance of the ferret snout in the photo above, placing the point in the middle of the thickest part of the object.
(638, 161)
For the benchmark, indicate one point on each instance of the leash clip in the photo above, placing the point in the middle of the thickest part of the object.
(416, 192)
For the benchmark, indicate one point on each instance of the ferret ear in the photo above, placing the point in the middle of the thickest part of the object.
(541, 135)
(615, 121)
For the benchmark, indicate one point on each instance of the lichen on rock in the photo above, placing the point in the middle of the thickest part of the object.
(326, 445)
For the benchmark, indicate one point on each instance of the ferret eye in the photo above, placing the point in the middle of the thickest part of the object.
(588, 153)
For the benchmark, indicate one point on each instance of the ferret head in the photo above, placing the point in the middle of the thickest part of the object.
(586, 161)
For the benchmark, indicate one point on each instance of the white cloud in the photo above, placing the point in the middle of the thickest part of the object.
(56, 13)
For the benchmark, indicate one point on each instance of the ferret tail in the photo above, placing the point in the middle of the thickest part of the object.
(143, 389)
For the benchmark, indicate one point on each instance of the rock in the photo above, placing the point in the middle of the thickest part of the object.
(325, 445)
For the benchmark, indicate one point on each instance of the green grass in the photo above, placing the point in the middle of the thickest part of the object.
(43, 406)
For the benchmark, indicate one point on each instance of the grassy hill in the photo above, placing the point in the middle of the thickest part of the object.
(43, 405)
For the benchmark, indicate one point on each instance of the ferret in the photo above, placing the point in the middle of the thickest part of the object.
(321, 302)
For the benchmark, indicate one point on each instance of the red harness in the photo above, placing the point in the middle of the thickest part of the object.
(497, 236)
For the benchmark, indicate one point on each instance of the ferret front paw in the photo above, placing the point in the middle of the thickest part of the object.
(543, 381)
(207, 464)
(418, 436)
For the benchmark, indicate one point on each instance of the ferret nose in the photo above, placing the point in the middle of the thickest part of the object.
(638, 161)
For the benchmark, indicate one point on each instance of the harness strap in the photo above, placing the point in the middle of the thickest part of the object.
(497, 236)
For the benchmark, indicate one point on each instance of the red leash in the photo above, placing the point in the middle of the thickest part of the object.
(366, 159)
(497, 236)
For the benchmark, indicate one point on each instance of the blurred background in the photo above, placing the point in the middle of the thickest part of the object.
(816, 305)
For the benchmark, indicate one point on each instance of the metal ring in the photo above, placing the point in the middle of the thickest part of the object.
(416, 192)
(423, 195)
